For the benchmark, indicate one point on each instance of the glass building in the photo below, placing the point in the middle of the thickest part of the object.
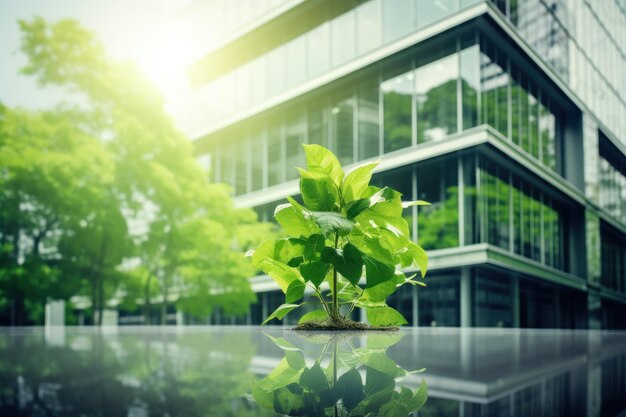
(509, 117)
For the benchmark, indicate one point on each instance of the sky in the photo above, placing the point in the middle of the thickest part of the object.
(129, 30)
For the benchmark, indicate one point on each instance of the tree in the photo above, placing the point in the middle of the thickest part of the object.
(107, 179)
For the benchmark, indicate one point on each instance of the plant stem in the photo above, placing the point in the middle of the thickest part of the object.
(335, 315)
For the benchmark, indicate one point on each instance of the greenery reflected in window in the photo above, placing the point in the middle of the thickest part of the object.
(437, 224)
(436, 99)
(397, 98)
(470, 85)
(494, 82)
(547, 132)
(511, 210)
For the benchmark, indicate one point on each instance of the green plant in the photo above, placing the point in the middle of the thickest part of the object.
(346, 380)
(345, 230)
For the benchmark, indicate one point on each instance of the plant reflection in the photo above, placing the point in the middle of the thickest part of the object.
(344, 379)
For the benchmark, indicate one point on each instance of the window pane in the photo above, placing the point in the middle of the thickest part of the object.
(494, 85)
(318, 125)
(430, 11)
(257, 150)
(274, 154)
(516, 108)
(241, 185)
(368, 112)
(547, 130)
(493, 303)
(397, 97)
(438, 223)
(397, 18)
(533, 126)
(227, 164)
(318, 50)
(343, 129)
(440, 305)
(436, 95)
(294, 138)
(296, 61)
(276, 70)
(470, 85)
(343, 38)
(368, 26)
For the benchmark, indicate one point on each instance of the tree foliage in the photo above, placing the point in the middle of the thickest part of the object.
(348, 235)
(102, 195)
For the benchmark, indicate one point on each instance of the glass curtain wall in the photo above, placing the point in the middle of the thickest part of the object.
(613, 247)
(513, 214)
(389, 110)
(613, 188)
(361, 30)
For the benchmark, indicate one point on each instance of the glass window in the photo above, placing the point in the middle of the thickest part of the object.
(318, 125)
(436, 98)
(257, 150)
(437, 224)
(276, 71)
(440, 305)
(493, 300)
(536, 225)
(518, 220)
(547, 131)
(397, 97)
(318, 50)
(343, 38)
(494, 86)
(275, 162)
(342, 112)
(470, 85)
(428, 12)
(242, 157)
(516, 107)
(294, 138)
(227, 164)
(368, 118)
(397, 18)
(495, 190)
(368, 26)
(295, 61)
(258, 88)
(533, 126)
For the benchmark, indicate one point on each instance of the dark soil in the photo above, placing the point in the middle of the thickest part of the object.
(342, 326)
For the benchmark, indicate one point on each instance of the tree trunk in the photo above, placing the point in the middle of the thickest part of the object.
(146, 300)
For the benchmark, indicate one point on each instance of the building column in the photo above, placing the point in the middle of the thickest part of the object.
(466, 298)
(415, 306)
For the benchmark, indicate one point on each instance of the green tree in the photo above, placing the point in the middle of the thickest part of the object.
(107, 178)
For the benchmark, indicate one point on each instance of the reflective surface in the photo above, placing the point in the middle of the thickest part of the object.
(248, 371)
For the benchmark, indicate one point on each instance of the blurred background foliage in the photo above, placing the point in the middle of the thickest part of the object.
(102, 197)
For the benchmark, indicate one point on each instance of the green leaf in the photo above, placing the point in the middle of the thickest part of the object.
(282, 274)
(315, 315)
(352, 267)
(358, 206)
(287, 250)
(263, 252)
(420, 397)
(294, 221)
(419, 256)
(282, 343)
(330, 222)
(377, 293)
(313, 248)
(322, 161)
(281, 312)
(385, 316)
(282, 375)
(314, 379)
(377, 272)
(288, 403)
(349, 387)
(318, 192)
(295, 292)
(314, 271)
(356, 182)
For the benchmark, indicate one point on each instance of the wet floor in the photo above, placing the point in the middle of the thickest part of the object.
(251, 371)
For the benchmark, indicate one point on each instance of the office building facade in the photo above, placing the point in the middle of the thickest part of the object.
(509, 117)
